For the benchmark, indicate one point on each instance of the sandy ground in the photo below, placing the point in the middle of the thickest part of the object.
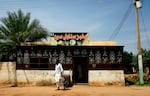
(76, 90)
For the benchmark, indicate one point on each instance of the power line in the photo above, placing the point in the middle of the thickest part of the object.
(118, 28)
(148, 40)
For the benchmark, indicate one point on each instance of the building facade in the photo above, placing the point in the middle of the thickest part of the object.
(93, 63)
(84, 61)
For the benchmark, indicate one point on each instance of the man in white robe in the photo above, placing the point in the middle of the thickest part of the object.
(58, 74)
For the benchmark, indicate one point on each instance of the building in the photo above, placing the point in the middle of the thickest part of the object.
(93, 63)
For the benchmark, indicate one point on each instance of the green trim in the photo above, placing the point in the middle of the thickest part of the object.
(141, 75)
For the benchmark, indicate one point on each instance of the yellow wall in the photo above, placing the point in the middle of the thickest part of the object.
(102, 43)
(91, 43)
(36, 43)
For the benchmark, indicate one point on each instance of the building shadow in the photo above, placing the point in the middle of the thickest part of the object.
(67, 89)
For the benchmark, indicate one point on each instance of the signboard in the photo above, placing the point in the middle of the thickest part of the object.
(69, 39)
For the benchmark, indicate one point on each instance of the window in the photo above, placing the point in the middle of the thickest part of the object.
(45, 57)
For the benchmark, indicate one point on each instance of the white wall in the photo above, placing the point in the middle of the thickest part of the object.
(6, 73)
(106, 77)
(95, 77)
(36, 76)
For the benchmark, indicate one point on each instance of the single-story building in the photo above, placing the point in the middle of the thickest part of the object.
(93, 63)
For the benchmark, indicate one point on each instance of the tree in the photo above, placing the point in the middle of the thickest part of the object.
(15, 29)
(146, 62)
(134, 63)
(127, 58)
(146, 57)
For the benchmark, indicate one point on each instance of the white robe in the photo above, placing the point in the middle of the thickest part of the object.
(58, 71)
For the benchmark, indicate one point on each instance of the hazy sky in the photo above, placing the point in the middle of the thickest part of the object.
(97, 17)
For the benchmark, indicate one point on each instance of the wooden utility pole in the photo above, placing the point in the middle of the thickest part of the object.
(138, 5)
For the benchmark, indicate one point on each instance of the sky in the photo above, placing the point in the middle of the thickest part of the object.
(99, 18)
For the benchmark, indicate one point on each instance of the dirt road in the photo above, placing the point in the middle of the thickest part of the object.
(77, 90)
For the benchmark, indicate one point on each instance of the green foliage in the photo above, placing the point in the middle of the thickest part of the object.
(146, 57)
(134, 60)
(132, 82)
(129, 82)
(16, 28)
(127, 58)
(135, 81)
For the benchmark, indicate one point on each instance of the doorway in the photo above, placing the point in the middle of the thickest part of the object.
(80, 70)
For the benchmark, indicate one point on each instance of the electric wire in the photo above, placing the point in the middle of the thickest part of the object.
(147, 38)
(118, 28)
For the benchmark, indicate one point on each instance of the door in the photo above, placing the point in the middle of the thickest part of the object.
(80, 70)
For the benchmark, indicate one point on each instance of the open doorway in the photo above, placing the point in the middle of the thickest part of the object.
(80, 70)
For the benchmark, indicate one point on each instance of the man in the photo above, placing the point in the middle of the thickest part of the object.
(58, 74)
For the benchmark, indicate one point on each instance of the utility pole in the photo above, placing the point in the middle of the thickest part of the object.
(138, 5)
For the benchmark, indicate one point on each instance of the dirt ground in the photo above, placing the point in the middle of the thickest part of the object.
(76, 90)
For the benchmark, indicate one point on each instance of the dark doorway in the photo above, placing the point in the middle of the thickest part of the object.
(80, 70)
